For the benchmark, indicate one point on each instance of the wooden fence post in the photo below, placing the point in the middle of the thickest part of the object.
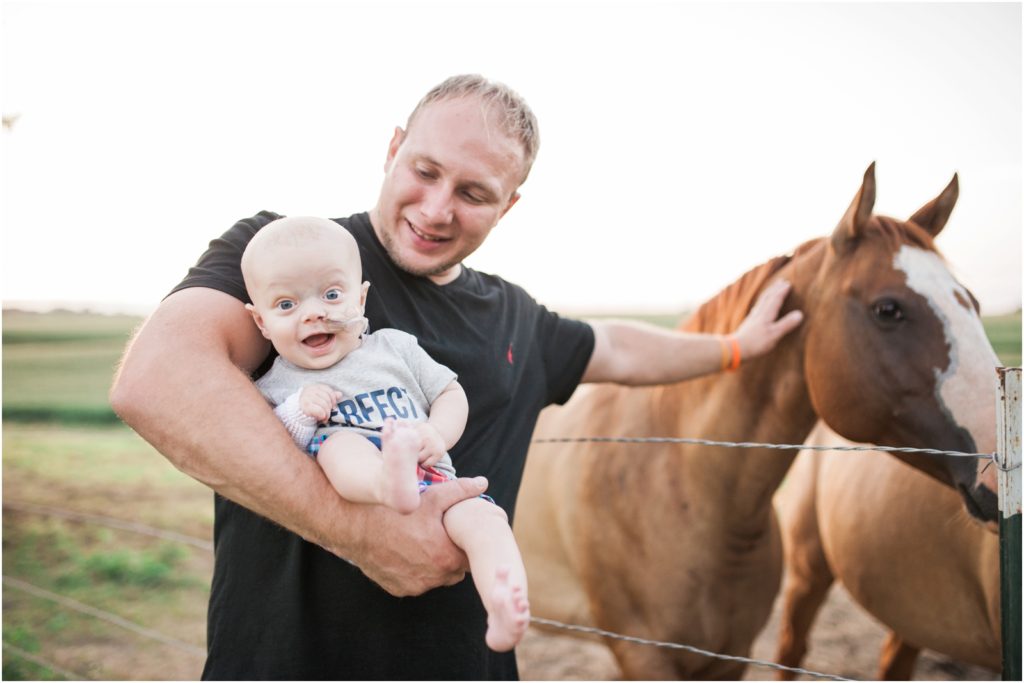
(1008, 458)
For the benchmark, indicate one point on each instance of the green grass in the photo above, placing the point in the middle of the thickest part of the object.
(27, 326)
(1005, 334)
(157, 583)
(86, 560)
(97, 466)
(59, 366)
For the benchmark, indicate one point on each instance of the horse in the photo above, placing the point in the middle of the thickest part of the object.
(679, 542)
(895, 539)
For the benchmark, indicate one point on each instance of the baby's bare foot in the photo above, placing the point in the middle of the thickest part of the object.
(508, 613)
(399, 485)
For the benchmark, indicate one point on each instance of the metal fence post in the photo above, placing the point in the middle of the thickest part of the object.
(1008, 458)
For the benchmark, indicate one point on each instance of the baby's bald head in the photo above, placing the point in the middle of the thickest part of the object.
(297, 233)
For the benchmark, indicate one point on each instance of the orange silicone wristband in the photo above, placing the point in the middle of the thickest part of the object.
(734, 361)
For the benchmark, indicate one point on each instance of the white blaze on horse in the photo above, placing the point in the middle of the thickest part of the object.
(904, 548)
(679, 542)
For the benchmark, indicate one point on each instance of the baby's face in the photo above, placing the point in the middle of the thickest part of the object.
(299, 291)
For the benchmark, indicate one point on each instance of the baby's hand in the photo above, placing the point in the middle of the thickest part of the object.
(318, 400)
(432, 447)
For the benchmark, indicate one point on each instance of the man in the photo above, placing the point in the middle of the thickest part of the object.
(283, 607)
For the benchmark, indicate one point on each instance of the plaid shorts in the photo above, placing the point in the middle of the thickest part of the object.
(430, 476)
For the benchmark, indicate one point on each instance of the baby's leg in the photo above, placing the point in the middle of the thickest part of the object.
(362, 474)
(481, 529)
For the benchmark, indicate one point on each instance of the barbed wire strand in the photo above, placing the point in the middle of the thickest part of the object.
(111, 522)
(39, 661)
(77, 606)
(688, 648)
(749, 444)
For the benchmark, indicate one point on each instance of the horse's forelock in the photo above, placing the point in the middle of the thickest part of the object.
(898, 233)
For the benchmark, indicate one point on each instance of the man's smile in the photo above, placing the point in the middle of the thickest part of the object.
(427, 237)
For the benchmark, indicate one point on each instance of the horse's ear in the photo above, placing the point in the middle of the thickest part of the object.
(857, 216)
(933, 215)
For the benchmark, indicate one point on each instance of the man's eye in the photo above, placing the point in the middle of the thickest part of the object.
(423, 173)
(332, 294)
(286, 305)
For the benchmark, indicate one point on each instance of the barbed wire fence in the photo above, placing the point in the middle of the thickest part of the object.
(751, 444)
(203, 544)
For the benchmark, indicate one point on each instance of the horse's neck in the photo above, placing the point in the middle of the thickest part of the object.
(765, 401)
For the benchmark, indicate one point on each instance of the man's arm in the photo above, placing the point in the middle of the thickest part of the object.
(641, 354)
(184, 386)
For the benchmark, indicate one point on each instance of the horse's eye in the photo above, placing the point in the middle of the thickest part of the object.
(887, 311)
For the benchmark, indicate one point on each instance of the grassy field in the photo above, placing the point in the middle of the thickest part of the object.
(83, 599)
(58, 367)
(159, 585)
(1004, 332)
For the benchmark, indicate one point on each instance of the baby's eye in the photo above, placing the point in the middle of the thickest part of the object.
(285, 305)
(332, 294)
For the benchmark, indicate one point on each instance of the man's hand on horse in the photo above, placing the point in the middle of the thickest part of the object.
(762, 329)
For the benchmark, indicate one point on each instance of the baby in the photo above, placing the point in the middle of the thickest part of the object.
(375, 410)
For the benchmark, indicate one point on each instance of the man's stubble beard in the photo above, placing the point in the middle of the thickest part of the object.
(389, 246)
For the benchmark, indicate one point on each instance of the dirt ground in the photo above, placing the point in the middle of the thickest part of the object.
(846, 641)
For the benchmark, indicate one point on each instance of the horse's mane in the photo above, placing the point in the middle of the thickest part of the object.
(724, 312)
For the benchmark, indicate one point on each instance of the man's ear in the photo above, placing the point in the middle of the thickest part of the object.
(258, 319)
(396, 142)
(511, 202)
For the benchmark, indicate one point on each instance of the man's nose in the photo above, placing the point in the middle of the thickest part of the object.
(436, 206)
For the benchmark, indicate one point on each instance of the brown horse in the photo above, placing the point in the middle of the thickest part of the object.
(678, 542)
(895, 539)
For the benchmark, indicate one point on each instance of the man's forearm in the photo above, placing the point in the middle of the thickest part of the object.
(181, 388)
(641, 354)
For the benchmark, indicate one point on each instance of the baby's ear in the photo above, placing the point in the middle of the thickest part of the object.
(362, 294)
(257, 318)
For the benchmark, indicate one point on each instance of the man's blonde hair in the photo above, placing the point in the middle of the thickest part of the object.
(514, 115)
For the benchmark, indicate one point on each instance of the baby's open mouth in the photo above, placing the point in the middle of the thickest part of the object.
(318, 340)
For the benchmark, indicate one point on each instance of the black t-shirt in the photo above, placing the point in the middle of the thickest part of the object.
(282, 608)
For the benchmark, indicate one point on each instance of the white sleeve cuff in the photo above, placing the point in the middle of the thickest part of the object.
(302, 427)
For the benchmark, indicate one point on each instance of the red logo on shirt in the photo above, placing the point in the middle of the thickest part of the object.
(509, 356)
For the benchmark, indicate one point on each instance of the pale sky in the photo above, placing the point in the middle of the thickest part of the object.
(682, 143)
